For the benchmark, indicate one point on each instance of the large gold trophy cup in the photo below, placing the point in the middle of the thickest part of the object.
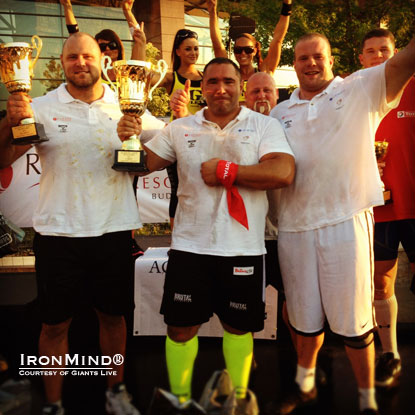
(16, 71)
(133, 82)
(381, 148)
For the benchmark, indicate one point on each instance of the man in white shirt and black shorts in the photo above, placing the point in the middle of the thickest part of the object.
(227, 157)
(84, 216)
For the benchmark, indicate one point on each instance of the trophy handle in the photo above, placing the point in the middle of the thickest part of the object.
(36, 44)
(162, 70)
(105, 65)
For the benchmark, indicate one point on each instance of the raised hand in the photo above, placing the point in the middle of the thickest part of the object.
(180, 100)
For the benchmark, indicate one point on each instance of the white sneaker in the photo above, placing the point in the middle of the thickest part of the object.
(119, 401)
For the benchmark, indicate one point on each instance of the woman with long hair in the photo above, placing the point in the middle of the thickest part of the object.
(184, 56)
(247, 49)
(184, 75)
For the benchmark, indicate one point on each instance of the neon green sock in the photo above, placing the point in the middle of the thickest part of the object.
(180, 358)
(238, 351)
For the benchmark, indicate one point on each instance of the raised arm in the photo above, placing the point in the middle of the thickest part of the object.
(215, 35)
(399, 70)
(127, 7)
(272, 60)
(70, 19)
(18, 108)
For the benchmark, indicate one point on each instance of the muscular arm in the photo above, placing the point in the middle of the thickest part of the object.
(399, 70)
(155, 162)
(272, 60)
(215, 35)
(274, 170)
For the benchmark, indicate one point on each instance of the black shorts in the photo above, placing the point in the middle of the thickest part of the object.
(272, 265)
(70, 272)
(197, 286)
(389, 234)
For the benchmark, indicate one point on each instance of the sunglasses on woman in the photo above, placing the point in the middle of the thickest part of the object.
(111, 46)
(184, 34)
(249, 50)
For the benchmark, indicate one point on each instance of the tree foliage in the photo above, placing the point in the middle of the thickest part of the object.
(344, 22)
(54, 75)
(159, 104)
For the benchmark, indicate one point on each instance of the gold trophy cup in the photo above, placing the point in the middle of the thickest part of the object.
(16, 71)
(381, 148)
(133, 82)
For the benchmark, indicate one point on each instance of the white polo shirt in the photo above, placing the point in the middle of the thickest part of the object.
(80, 194)
(202, 223)
(332, 136)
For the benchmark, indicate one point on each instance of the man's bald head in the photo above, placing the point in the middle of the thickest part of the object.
(261, 93)
(81, 62)
(79, 37)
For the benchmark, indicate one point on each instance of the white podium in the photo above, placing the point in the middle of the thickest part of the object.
(150, 269)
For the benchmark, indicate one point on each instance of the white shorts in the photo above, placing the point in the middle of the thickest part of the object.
(328, 272)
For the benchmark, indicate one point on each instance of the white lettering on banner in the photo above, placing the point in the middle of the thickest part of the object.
(19, 192)
(243, 270)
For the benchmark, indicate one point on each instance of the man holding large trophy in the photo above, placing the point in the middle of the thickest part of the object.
(16, 71)
(85, 213)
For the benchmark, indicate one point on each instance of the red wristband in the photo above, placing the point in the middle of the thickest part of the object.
(226, 172)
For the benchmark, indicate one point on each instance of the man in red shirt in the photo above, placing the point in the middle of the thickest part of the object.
(394, 222)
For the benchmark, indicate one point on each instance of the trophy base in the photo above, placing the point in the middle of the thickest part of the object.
(28, 134)
(387, 197)
(130, 161)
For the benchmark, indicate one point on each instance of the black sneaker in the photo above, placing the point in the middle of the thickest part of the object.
(388, 370)
(294, 400)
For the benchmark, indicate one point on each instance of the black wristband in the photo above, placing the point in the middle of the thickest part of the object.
(72, 28)
(286, 9)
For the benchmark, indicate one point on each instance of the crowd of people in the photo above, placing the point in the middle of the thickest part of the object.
(243, 166)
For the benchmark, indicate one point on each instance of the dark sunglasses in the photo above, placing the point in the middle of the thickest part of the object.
(247, 49)
(112, 46)
(186, 34)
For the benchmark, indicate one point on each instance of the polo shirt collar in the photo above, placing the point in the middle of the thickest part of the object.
(65, 97)
(243, 113)
(295, 96)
